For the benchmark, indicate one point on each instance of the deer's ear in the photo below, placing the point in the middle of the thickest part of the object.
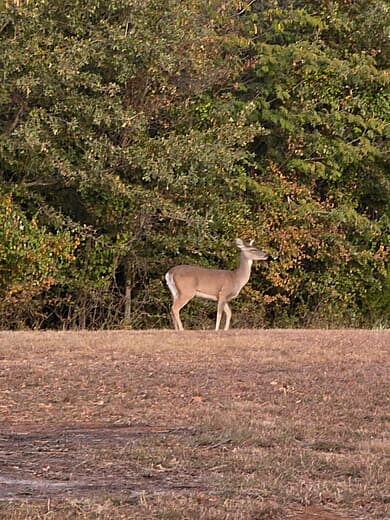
(239, 242)
(251, 242)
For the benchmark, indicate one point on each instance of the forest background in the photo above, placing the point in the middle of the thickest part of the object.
(138, 134)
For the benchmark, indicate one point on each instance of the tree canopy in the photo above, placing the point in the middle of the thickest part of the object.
(135, 135)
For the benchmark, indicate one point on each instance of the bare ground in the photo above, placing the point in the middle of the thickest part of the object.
(248, 424)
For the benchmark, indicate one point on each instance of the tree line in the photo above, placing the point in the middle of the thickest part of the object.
(138, 134)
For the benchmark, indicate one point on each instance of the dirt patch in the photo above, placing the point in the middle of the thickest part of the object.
(244, 424)
(63, 463)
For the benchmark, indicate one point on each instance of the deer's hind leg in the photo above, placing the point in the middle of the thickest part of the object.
(178, 304)
(179, 300)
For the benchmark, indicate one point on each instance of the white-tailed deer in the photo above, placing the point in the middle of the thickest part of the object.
(187, 281)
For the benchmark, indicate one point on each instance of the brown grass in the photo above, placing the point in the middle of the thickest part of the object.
(275, 424)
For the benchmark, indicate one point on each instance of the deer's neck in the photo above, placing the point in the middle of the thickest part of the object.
(243, 271)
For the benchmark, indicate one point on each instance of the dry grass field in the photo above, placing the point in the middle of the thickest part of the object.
(245, 424)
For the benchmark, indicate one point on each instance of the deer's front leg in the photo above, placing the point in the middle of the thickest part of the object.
(228, 315)
(220, 309)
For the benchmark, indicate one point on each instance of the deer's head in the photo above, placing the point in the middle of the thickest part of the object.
(250, 252)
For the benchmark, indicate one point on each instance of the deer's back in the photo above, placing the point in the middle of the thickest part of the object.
(200, 278)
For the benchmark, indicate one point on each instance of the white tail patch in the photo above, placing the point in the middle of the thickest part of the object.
(172, 286)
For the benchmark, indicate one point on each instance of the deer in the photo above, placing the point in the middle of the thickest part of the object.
(188, 281)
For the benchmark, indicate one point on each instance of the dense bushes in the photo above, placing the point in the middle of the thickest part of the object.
(135, 136)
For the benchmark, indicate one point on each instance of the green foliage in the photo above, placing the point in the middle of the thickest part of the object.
(32, 260)
(140, 135)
